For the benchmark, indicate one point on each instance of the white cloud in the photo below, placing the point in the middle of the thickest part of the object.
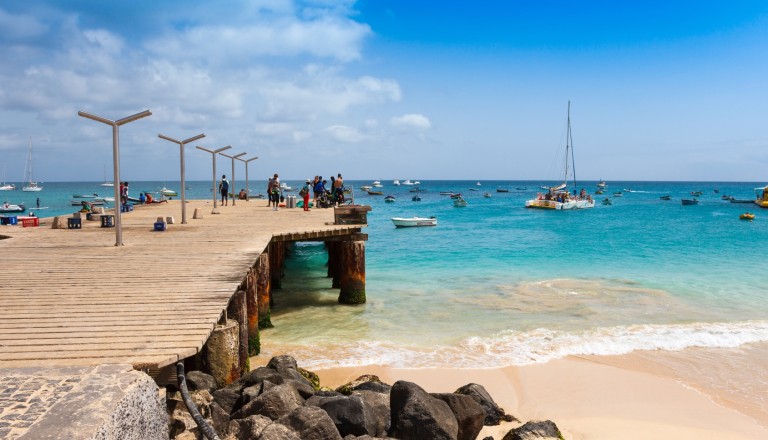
(412, 120)
(346, 134)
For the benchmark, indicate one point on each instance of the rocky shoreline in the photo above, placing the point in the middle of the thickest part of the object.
(284, 402)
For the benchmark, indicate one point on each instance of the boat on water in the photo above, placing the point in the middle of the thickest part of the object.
(389, 198)
(107, 184)
(696, 193)
(726, 197)
(559, 198)
(459, 202)
(474, 189)
(665, 198)
(502, 190)
(747, 216)
(283, 187)
(375, 193)
(9, 208)
(487, 195)
(618, 194)
(607, 202)
(366, 187)
(601, 184)
(521, 188)
(417, 190)
(94, 202)
(396, 182)
(31, 185)
(416, 198)
(735, 200)
(446, 193)
(408, 182)
(171, 193)
(376, 184)
(85, 196)
(478, 184)
(6, 186)
(410, 222)
(690, 202)
(762, 197)
(599, 192)
(456, 195)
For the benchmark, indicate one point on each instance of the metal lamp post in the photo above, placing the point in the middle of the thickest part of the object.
(213, 155)
(233, 171)
(116, 161)
(183, 181)
(247, 190)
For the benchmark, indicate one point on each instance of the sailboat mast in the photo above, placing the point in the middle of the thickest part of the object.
(570, 138)
(567, 146)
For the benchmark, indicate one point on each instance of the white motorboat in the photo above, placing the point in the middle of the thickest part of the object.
(365, 187)
(558, 198)
(408, 182)
(31, 185)
(7, 208)
(396, 182)
(377, 184)
(6, 186)
(168, 192)
(401, 222)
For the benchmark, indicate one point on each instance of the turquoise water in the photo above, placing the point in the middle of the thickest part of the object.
(495, 284)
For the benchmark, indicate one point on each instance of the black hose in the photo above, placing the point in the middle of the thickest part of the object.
(208, 431)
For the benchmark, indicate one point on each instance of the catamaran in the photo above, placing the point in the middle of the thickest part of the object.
(28, 177)
(558, 197)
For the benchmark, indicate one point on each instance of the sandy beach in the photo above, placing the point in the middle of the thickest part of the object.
(694, 394)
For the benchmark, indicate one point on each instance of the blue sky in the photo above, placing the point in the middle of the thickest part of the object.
(388, 89)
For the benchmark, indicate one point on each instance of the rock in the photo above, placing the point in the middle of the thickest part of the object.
(535, 429)
(375, 386)
(313, 378)
(350, 415)
(259, 375)
(274, 403)
(282, 363)
(226, 398)
(468, 412)
(347, 388)
(416, 415)
(276, 431)
(366, 437)
(303, 387)
(493, 413)
(248, 428)
(247, 395)
(379, 410)
(219, 419)
(197, 380)
(488, 438)
(311, 423)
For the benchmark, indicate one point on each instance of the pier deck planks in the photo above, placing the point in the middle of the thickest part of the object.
(70, 297)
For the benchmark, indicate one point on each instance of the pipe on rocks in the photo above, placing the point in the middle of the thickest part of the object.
(207, 430)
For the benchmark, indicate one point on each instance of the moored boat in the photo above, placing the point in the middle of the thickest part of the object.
(559, 197)
(487, 195)
(690, 201)
(7, 208)
(389, 198)
(409, 222)
(665, 197)
(375, 193)
(416, 198)
(747, 216)
(171, 193)
(459, 202)
(502, 190)
(607, 202)
(762, 197)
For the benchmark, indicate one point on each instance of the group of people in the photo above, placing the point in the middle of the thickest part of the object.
(326, 195)
(564, 196)
(124, 193)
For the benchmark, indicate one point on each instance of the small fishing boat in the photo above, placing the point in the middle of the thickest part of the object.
(474, 189)
(446, 193)
(696, 193)
(665, 197)
(456, 195)
(735, 200)
(409, 222)
(618, 194)
(521, 188)
(375, 193)
(459, 203)
(365, 187)
(607, 202)
(502, 190)
(487, 195)
(283, 187)
(171, 193)
(416, 198)
(690, 202)
(389, 198)
(601, 184)
(747, 216)
(376, 184)
(7, 208)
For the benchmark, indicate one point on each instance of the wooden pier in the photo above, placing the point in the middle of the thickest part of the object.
(70, 297)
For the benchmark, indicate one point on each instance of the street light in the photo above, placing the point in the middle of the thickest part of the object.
(213, 154)
(247, 191)
(116, 161)
(233, 171)
(183, 182)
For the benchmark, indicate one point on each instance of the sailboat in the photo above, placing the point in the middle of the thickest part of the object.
(107, 183)
(558, 197)
(6, 186)
(28, 177)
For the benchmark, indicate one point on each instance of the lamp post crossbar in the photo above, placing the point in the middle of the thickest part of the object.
(116, 161)
(183, 180)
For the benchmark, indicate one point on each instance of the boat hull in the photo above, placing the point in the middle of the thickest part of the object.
(559, 206)
(413, 222)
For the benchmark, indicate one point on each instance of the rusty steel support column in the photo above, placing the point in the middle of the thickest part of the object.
(263, 288)
(238, 311)
(352, 272)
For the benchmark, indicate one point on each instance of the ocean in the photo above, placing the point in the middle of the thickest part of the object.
(495, 284)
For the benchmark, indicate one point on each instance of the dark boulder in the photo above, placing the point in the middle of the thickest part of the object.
(197, 381)
(313, 378)
(303, 387)
(273, 403)
(493, 413)
(379, 410)
(375, 386)
(259, 375)
(247, 395)
(347, 388)
(247, 428)
(311, 423)
(535, 429)
(276, 431)
(416, 415)
(226, 398)
(468, 412)
(219, 418)
(282, 363)
(350, 414)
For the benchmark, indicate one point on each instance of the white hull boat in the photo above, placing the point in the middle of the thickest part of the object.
(7, 208)
(401, 222)
(168, 192)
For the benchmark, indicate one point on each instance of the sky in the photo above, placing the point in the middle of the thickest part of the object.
(378, 89)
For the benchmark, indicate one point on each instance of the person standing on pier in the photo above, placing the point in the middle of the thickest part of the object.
(224, 189)
(304, 193)
(275, 194)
